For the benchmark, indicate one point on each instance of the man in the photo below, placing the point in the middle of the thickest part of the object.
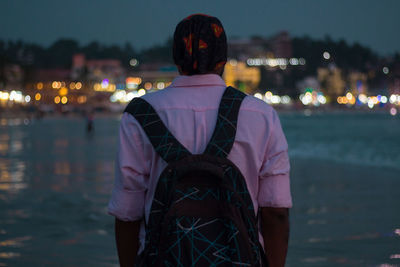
(189, 107)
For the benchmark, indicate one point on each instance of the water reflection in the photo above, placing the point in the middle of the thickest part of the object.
(12, 175)
(15, 242)
(55, 184)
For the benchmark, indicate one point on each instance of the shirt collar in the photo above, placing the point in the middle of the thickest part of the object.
(198, 81)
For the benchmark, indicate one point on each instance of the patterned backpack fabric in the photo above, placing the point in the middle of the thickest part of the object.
(202, 213)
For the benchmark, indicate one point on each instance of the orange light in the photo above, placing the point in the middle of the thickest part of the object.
(148, 86)
(135, 80)
(39, 86)
(38, 96)
(72, 86)
(82, 99)
(63, 91)
(57, 99)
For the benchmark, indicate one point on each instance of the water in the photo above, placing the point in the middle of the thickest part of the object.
(55, 182)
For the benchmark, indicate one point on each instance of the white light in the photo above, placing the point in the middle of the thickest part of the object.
(133, 62)
(326, 55)
(27, 99)
(302, 61)
(275, 99)
(321, 99)
(233, 62)
(385, 70)
(306, 99)
(285, 99)
(370, 103)
(130, 96)
(392, 99)
(384, 99)
(294, 61)
(131, 86)
(393, 112)
(141, 92)
(363, 98)
(16, 96)
(113, 98)
(160, 85)
(258, 95)
(120, 95)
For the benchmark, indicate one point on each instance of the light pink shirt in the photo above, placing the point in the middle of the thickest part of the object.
(189, 107)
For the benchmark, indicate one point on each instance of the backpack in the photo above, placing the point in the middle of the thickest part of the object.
(202, 213)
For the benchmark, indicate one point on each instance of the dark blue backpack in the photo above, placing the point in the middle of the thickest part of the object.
(202, 213)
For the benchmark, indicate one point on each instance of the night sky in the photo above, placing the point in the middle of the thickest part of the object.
(143, 23)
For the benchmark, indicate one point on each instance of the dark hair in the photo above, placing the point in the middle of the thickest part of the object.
(200, 45)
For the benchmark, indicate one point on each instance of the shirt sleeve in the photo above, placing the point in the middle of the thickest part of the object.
(274, 186)
(131, 173)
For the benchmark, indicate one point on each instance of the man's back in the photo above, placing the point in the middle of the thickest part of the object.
(189, 109)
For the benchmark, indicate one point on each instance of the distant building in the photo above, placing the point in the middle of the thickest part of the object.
(281, 45)
(277, 46)
(96, 69)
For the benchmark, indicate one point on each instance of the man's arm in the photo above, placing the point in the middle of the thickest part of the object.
(275, 232)
(127, 239)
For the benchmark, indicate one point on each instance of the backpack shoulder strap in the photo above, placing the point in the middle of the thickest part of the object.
(163, 141)
(225, 130)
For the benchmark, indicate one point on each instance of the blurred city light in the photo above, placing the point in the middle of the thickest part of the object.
(38, 96)
(78, 85)
(64, 100)
(141, 92)
(385, 70)
(133, 62)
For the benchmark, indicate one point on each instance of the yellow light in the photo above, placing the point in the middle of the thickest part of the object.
(39, 86)
(349, 96)
(78, 85)
(4, 95)
(63, 91)
(64, 100)
(141, 92)
(38, 96)
(57, 99)
(97, 87)
(72, 86)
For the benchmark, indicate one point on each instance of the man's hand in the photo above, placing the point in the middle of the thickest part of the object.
(127, 238)
(275, 231)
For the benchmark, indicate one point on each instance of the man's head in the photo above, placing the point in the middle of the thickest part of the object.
(200, 45)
